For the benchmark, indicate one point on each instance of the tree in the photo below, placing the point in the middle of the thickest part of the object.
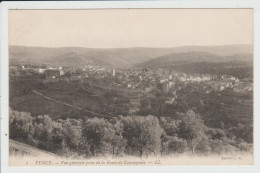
(177, 145)
(20, 125)
(215, 134)
(203, 145)
(219, 147)
(170, 126)
(164, 143)
(242, 131)
(43, 126)
(143, 134)
(72, 132)
(191, 128)
(57, 137)
(117, 140)
(98, 133)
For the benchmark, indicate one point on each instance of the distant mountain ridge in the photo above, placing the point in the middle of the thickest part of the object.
(195, 57)
(75, 59)
(115, 57)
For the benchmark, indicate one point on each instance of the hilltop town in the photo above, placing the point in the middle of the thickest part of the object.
(139, 86)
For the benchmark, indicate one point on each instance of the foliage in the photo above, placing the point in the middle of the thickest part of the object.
(243, 132)
(72, 132)
(127, 135)
(203, 146)
(170, 125)
(222, 147)
(191, 129)
(215, 134)
(142, 134)
(177, 145)
(20, 125)
(118, 142)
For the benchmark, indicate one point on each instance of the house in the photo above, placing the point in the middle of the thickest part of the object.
(170, 100)
(239, 89)
(228, 78)
(249, 86)
(243, 88)
(220, 86)
(171, 85)
(215, 87)
(148, 90)
(52, 74)
(237, 80)
(150, 95)
(41, 70)
(170, 77)
(206, 78)
(165, 87)
(114, 72)
(183, 79)
(163, 80)
(61, 73)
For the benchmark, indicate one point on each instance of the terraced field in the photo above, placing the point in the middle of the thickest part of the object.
(231, 108)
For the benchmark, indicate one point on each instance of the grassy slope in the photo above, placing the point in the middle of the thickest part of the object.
(29, 150)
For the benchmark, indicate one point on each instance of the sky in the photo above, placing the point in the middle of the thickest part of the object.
(118, 28)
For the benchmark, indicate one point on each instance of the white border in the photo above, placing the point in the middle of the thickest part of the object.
(126, 4)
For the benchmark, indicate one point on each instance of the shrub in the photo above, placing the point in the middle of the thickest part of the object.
(177, 145)
(20, 125)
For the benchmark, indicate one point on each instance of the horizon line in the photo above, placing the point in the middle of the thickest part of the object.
(240, 44)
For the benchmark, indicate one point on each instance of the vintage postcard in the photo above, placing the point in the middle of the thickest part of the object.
(130, 87)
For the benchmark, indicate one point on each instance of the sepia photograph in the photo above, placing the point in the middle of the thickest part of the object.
(130, 87)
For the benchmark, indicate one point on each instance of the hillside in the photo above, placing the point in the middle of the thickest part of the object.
(53, 56)
(117, 57)
(74, 59)
(238, 65)
(21, 149)
(183, 58)
(195, 57)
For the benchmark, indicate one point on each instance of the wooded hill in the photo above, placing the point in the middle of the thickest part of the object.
(116, 57)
